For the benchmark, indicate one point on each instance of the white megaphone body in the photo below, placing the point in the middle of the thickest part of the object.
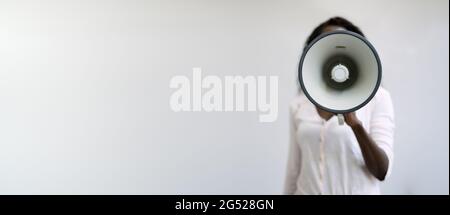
(340, 72)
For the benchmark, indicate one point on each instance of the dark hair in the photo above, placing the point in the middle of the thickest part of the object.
(334, 21)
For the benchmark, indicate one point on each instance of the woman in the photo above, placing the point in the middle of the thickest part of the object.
(326, 158)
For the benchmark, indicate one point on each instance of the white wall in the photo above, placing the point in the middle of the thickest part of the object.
(84, 93)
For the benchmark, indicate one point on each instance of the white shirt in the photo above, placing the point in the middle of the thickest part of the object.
(325, 157)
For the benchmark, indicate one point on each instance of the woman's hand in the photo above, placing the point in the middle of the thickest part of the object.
(351, 119)
(374, 157)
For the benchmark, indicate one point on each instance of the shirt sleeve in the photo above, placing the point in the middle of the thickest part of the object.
(294, 159)
(382, 126)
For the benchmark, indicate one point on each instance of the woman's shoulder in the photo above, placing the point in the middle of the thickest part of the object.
(300, 100)
(382, 92)
(382, 95)
(381, 102)
(296, 101)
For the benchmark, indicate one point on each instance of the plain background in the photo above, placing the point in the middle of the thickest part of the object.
(84, 92)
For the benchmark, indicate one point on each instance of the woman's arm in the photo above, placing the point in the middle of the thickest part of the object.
(375, 158)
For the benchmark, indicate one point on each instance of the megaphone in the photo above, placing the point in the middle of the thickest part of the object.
(340, 72)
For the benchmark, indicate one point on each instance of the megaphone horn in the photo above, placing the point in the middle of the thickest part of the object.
(340, 72)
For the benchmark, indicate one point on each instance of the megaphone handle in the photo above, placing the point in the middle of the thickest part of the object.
(341, 119)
